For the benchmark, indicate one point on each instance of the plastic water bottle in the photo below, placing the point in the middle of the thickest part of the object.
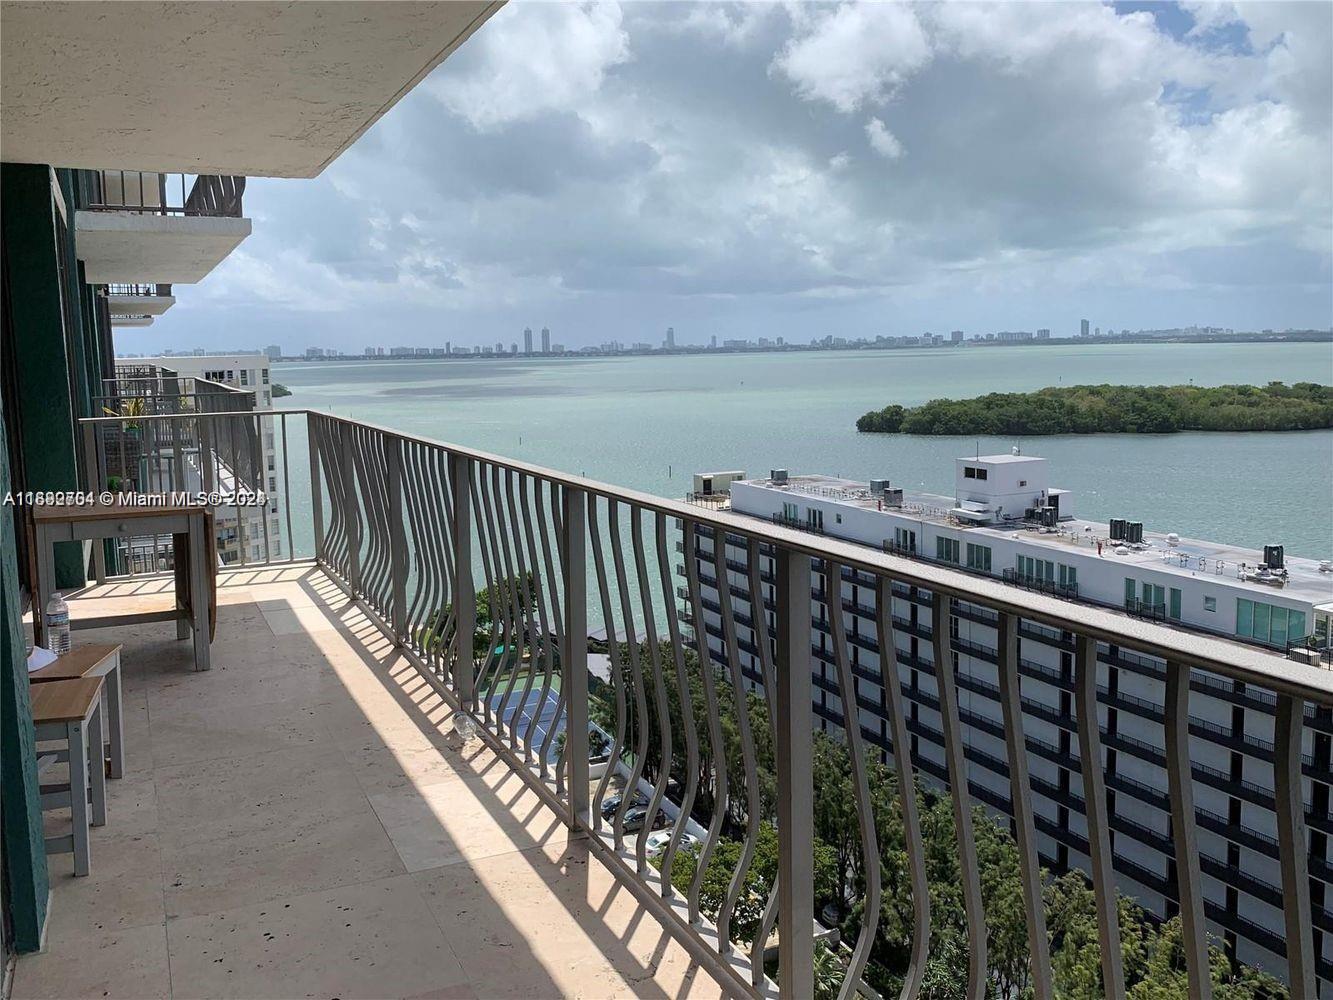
(464, 727)
(57, 625)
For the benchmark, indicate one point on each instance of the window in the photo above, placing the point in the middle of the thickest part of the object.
(905, 539)
(815, 519)
(1068, 576)
(946, 549)
(263, 374)
(1173, 609)
(1022, 483)
(215, 376)
(972, 472)
(245, 377)
(978, 557)
(1268, 622)
(1129, 592)
(1036, 569)
(839, 518)
(789, 512)
(1210, 604)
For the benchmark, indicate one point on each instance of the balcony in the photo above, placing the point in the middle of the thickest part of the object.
(475, 582)
(154, 228)
(137, 304)
(298, 821)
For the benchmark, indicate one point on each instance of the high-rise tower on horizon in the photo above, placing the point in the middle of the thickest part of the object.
(546, 340)
(527, 340)
(671, 338)
(1083, 328)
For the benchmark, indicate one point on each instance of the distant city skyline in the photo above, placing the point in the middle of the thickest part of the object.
(766, 170)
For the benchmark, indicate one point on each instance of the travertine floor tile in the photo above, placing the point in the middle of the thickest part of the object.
(376, 939)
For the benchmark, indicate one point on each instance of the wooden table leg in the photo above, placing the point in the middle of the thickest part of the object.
(96, 764)
(199, 589)
(180, 553)
(46, 584)
(77, 737)
(115, 721)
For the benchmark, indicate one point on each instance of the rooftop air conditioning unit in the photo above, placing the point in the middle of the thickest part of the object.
(893, 497)
(878, 486)
(1134, 532)
(1117, 529)
(778, 477)
(1273, 556)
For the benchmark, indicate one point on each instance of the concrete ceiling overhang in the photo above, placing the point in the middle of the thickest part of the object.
(257, 89)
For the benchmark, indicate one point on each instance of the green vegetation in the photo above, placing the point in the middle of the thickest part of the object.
(1115, 409)
(280, 390)
(1153, 956)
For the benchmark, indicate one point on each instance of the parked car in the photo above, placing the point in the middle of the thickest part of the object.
(637, 818)
(612, 802)
(657, 843)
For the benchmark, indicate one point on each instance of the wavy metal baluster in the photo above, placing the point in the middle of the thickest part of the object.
(496, 633)
(439, 544)
(613, 654)
(851, 714)
(759, 616)
(716, 750)
(751, 769)
(503, 603)
(544, 636)
(902, 763)
(446, 549)
(640, 699)
(552, 591)
(686, 711)
(413, 481)
(1020, 790)
(968, 869)
(425, 610)
(536, 606)
(514, 594)
(1094, 806)
(527, 599)
(659, 684)
(558, 499)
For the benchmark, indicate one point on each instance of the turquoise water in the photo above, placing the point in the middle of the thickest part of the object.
(650, 423)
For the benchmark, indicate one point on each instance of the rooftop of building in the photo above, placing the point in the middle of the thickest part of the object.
(1188, 557)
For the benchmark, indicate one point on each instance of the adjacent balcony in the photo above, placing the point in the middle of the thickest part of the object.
(314, 818)
(153, 228)
(137, 304)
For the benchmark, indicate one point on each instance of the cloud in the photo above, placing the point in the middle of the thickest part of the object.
(533, 58)
(857, 53)
(882, 141)
(870, 168)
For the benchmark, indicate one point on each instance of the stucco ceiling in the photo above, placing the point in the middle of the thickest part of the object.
(260, 89)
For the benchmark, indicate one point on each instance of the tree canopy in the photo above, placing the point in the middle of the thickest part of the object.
(1115, 409)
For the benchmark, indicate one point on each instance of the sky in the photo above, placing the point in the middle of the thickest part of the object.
(609, 170)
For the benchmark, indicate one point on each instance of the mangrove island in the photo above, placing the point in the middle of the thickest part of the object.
(1115, 409)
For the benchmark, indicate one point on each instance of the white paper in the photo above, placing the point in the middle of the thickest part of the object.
(40, 657)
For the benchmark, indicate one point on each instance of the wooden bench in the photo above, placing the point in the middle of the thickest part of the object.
(71, 711)
(95, 660)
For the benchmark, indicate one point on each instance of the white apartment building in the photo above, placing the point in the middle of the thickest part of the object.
(241, 538)
(1006, 521)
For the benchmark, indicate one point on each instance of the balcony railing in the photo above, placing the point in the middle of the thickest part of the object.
(489, 573)
(150, 193)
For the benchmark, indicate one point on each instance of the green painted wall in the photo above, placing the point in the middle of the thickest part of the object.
(46, 402)
(25, 853)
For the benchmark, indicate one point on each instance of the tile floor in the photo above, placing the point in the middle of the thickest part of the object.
(296, 822)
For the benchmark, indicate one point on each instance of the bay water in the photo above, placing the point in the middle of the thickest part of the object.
(651, 422)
